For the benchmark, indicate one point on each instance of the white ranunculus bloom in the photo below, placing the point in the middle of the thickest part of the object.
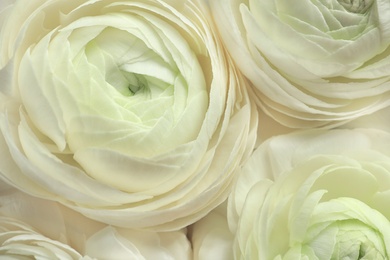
(127, 111)
(32, 228)
(315, 195)
(211, 237)
(20, 241)
(312, 63)
(37, 227)
(48, 218)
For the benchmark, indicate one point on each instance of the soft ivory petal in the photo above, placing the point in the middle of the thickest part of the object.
(110, 243)
(49, 218)
(18, 240)
(211, 237)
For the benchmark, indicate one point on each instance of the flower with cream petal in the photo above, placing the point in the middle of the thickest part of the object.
(312, 63)
(314, 195)
(20, 241)
(126, 111)
(49, 225)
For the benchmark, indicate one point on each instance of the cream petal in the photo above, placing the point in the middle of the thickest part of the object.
(137, 244)
(210, 236)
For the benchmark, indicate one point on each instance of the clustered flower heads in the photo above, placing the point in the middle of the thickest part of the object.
(134, 129)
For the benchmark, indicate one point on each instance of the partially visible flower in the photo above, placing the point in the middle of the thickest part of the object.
(312, 63)
(315, 195)
(126, 111)
(32, 228)
(211, 237)
(43, 228)
(47, 218)
(20, 241)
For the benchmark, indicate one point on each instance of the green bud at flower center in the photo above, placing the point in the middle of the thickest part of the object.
(136, 82)
(356, 6)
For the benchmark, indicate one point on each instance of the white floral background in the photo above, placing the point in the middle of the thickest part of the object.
(194, 129)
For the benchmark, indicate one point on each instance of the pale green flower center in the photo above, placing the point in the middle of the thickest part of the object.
(356, 6)
(136, 82)
(355, 240)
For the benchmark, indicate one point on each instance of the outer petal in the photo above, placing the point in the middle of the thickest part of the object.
(211, 237)
(109, 243)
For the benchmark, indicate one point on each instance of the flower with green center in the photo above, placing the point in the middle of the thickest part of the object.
(312, 63)
(126, 111)
(314, 195)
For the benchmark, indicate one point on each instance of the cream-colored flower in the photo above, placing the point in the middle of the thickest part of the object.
(37, 227)
(312, 63)
(315, 195)
(32, 228)
(20, 241)
(127, 111)
(48, 218)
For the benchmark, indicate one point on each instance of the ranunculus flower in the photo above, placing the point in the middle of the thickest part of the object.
(312, 63)
(37, 227)
(315, 195)
(20, 241)
(126, 111)
(32, 228)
